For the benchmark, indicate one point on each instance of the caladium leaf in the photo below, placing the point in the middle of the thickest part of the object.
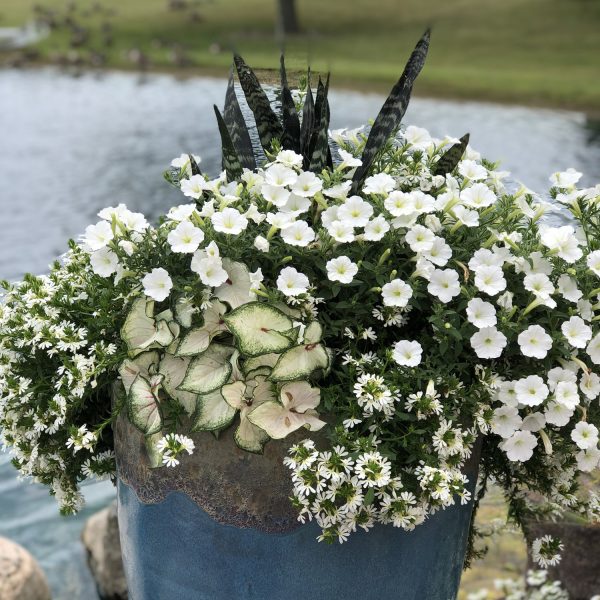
(142, 406)
(267, 123)
(452, 156)
(141, 331)
(194, 342)
(173, 369)
(392, 111)
(212, 413)
(290, 139)
(237, 127)
(142, 364)
(208, 371)
(258, 362)
(248, 436)
(313, 333)
(299, 362)
(308, 121)
(259, 328)
(230, 159)
(236, 290)
(185, 311)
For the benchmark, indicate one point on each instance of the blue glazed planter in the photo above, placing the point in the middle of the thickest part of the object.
(182, 540)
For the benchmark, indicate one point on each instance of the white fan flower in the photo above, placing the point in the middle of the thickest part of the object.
(444, 284)
(488, 342)
(407, 353)
(291, 282)
(185, 238)
(341, 269)
(535, 342)
(157, 284)
(481, 314)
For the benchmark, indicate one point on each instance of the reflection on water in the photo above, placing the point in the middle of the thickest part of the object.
(69, 147)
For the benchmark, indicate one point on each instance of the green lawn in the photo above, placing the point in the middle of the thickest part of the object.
(529, 51)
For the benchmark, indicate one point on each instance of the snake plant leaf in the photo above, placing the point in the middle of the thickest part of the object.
(194, 168)
(208, 371)
(142, 407)
(259, 328)
(308, 121)
(212, 413)
(267, 123)
(452, 156)
(290, 140)
(392, 111)
(230, 160)
(319, 145)
(237, 127)
(299, 362)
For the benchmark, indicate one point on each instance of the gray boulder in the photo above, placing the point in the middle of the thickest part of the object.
(21, 578)
(100, 537)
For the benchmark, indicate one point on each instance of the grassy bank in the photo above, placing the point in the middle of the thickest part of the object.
(527, 51)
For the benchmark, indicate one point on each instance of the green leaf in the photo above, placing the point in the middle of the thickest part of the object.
(212, 412)
(230, 159)
(194, 168)
(308, 121)
(237, 127)
(391, 113)
(451, 157)
(319, 146)
(290, 139)
(142, 407)
(369, 497)
(208, 371)
(267, 123)
(259, 328)
(299, 362)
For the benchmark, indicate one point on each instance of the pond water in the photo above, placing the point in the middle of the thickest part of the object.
(72, 145)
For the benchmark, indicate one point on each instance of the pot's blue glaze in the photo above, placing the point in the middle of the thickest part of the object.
(174, 551)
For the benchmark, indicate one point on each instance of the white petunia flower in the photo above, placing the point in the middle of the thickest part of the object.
(539, 284)
(558, 375)
(519, 447)
(279, 220)
(194, 186)
(355, 212)
(593, 262)
(157, 284)
(341, 232)
(407, 353)
(307, 185)
(444, 284)
(291, 282)
(558, 414)
(423, 203)
(585, 435)
(478, 196)
(531, 391)
(534, 422)
(289, 158)
(566, 394)
(577, 332)
(339, 192)
(396, 293)
(348, 160)
(471, 170)
(280, 175)
(376, 229)
(507, 394)
(535, 342)
(261, 243)
(466, 216)
(567, 286)
(562, 241)
(587, 460)
(104, 262)
(488, 342)
(439, 253)
(381, 183)
(275, 194)
(181, 212)
(400, 203)
(341, 269)
(185, 238)
(590, 385)
(230, 221)
(296, 205)
(565, 179)
(485, 258)
(98, 236)
(210, 269)
(419, 238)
(506, 421)
(418, 137)
(490, 280)
(298, 234)
(481, 314)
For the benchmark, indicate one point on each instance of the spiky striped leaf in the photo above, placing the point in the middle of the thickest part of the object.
(319, 146)
(308, 121)
(267, 123)
(290, 140)
(237, 127)
(452, 156)
(194, 166)
(231, 161)
(392, 111)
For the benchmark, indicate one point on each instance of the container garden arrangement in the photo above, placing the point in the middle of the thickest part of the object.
(303, 378)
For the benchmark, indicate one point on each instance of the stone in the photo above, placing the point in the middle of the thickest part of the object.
(100, 537)
(21, 578)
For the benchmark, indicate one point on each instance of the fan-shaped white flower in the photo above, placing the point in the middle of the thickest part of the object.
(341, 232)
(531, 391)
(280, 175)
(577, 332)
(481, 314)
(99, 235)
(419, 238)
(506, 421)
(562, 241)
(565, 179)
(439, 253)
(230, 221)
(490, 280)
(291, 282)
(307, 185)
(593, 261)
(341, 269)
(157, 284)
(209, 268)
(539, 284)
(375, 229)
(380, 183)
(275, 194)
(587, 460)
(488, 342)
(444, 284)
(585, 435)
(104, 262)
(478, 195)
(185, 238)
(535, 342)
(396, 293)
(298, 234)
(407, 353)
(472, 170)
(355, 211)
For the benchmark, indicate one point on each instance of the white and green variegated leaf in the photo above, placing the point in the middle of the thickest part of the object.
(208, 371)
(313, 333)
(249, 437)
(154, 455)
(234, 394)
(213, 318)
(142, 406)
(236, 290)
(185, 311)
(131, 368)
(173, 368)
(258, 362)
(299, 362)
(212, 412)
(139, 329)
(164, 336)
(165, 315)
(259, 328)
(194, 342)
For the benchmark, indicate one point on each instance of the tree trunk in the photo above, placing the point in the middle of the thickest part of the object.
(287, 21)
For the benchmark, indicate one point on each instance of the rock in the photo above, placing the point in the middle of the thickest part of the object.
(21, 578)
(101, 539)
(579, 568)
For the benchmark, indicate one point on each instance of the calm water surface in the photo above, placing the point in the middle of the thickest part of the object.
(70, 146)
